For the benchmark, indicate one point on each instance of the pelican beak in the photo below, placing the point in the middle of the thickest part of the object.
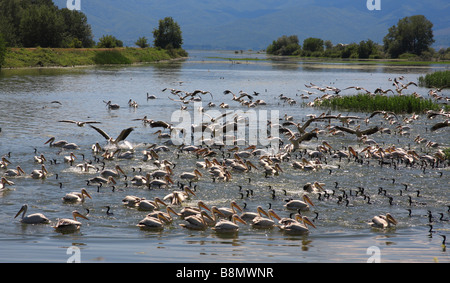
(262, 211)
(111, 179)
(120, 169)
(307, 221)
(44, 169)
(50, 140)
(77, 214)
(308, 200)
(235, 205)
(251, 165)
(216, 210)
(278, 167)
(188, 190)
(202, 204)
(158, 200)
(171, 210)
(391, 219)
(318, 185)
(19, 169)
(163, 218)
(198, 173)
(169, 180)
(6, 181)
(239, 219)
(83, 191)
(20, 211)
(203, 213)
(6, 160)
(273, 213)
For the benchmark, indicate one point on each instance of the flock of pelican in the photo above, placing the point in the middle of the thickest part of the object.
(222, 163)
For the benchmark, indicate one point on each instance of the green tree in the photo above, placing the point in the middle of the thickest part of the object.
(109, 41)
(168, 34)
(2, 50)
(411, 35)
(77, 32)
(313, 44)
(284, 46)
(142, 42)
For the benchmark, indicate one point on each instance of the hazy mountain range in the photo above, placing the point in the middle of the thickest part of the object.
(254, 24)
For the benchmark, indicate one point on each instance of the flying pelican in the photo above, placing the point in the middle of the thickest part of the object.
(39, 174)
(122, 136)
(76, 196)
(383, 221)
(298, 204)
(79, 123)
(153, 223)
(14, 172)
(295, 226)
(229, 226)
(69, 225)
(36, 218)
(112, 173)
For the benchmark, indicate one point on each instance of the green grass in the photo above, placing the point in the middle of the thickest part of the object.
(447, 153)
(439, 79)
(67, 57)
(368, 103)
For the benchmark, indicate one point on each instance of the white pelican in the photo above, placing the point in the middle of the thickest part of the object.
(40, 159)
(169, 210)
(227, 212)
(249, 216)
(76, 196)
(153, 223)
(298, 204)
(383, 221)
(191, 176)
(140, 180)
(69, 225)
(36, 218)
(113, 173)
(70, 158)
(295, 226)
(101, 180)
(147, 205)
(84, 167)
(262, 222)
(177, 197)
(160, 183)
(5, 182)
(197, 222)
(189, 210)
(229, 226)
(52, 142)
(131, 200)
(4, 163)
(39, 174)
(14, 172)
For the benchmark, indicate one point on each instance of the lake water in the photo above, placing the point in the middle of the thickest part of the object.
(29, 118)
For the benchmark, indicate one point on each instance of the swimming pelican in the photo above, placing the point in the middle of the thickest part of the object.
(4, 163)
(249, 216)
(298, 204)
(147, 205)
(14, 172)
(69, 225)
(40, 159)
(76, 196)
(113, 173)
(153, 223)
(178, 197)
(192, 176)
(5, 182)
(167, 214)
(383, 221)
(101, 180)
(197, 222)
(131, 200)
(262, 222)
(229, 226)
(294, 227)
(227, 212)
(70, 158)
(35, 218)
(39, 174)
(189, 210)
(52, 142)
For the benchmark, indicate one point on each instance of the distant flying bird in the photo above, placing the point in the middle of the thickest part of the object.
(79, 123)
(358, 132)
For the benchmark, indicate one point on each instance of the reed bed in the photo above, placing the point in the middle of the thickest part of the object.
(439, 79)
(367, 103)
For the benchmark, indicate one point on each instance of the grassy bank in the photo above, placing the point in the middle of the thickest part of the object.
(68, 57)
(439, 79)
(368, 103)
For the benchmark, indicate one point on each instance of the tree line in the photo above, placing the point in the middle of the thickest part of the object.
(412, 37)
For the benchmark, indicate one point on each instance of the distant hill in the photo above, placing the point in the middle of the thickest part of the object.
(254, 24)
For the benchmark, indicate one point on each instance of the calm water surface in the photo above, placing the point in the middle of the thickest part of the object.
(29, 118)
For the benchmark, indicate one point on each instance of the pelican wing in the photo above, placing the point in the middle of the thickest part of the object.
(101, 132)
